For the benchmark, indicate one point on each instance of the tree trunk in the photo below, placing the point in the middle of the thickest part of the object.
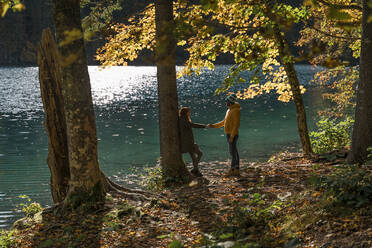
(86, 184)
(55, 123)
(174, 169)
(362, 131)
(86, 171)
(288, 64)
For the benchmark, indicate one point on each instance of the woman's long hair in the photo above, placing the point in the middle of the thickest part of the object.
(185, 113)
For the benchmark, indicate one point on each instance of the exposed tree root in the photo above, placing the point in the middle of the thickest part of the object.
(133, 194)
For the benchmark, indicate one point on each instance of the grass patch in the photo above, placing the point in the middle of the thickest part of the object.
(7, 238)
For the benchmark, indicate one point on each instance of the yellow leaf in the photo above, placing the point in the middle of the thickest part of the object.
(181, 43)
(71, 36)
(4, 9)
(316, 194)
(19, 7)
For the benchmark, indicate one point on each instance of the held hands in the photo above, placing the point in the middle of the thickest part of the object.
(231, 138)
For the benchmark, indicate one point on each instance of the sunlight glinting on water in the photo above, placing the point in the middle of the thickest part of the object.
(123, 84)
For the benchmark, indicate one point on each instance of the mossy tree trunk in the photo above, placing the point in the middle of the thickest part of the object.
(55, 122)
(362, 131)
(50, 76)
(287, 62)
(86, 183)
(173, 167)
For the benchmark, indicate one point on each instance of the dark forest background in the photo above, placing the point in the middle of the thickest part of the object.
(21, 32)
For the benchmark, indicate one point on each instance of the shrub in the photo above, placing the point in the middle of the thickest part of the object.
(29, 208)
(369, 150)
(259, 211)
(331, 135)
(153, 179)
(351, 186)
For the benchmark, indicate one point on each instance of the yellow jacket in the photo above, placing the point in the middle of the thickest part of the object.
(231, 123)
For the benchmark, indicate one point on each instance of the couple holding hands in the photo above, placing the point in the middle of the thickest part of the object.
(231, 124)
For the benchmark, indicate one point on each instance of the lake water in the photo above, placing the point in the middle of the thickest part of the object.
(125, 101)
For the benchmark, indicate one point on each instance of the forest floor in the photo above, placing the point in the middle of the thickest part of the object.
(274, 204)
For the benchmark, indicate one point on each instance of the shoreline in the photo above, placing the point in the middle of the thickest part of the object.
(271, 204)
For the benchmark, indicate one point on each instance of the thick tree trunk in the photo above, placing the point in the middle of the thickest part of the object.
(288, 64)
(86, 184)
(50, 77)
(55, 123)
(362, 131)
(174, 169)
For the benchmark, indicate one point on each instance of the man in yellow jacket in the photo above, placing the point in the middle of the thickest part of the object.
(231, 124)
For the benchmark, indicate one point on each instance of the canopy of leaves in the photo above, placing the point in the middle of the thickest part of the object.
(242, 28)
(333, 30)
(329, 36)
(100, 15)
(129, 39)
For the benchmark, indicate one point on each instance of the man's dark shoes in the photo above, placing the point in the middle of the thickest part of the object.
(232, 173)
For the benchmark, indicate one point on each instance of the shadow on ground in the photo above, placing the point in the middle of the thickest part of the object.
(77, 229)
(198, 202)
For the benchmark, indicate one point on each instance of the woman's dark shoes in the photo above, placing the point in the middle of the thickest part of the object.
(196, 172)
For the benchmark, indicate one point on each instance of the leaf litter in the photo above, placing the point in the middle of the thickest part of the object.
(272, 204)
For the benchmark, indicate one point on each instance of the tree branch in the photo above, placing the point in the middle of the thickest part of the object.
(334, 36)
(341, 6)
(224, 25)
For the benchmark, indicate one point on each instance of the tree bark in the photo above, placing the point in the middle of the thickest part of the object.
(288, 64)
(173, 167)
(55, 123)
(51, 76)
(362, 131)
(85, 184)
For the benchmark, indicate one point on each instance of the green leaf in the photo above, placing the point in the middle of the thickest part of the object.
(256, 195)
(47, 243)
(175, 244)
(209, 4)
(241, 80)
(226, 235)
(162, 236)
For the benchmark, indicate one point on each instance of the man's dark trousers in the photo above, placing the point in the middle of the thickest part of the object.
(233, 152)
